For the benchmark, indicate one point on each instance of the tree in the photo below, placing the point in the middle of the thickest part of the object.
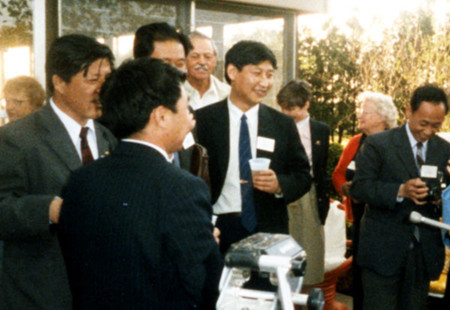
(414, 51)
(330, 65)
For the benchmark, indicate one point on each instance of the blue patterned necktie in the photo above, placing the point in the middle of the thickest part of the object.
(248, 219)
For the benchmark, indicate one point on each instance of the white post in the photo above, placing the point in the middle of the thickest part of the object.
(39, 40)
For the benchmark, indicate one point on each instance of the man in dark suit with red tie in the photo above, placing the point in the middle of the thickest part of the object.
(399, 258)
(38, 152)
(239, 128)
(135, 230)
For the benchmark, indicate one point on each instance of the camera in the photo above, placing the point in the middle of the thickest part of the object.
(435, 186)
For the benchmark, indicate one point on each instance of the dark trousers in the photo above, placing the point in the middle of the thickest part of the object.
(357, 289)
(231, 230)
(406, 290)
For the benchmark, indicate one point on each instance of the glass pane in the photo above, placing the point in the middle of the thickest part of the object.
(114, 22)
(108, 18)
(227, 28)
(17, 62)
(16, 42)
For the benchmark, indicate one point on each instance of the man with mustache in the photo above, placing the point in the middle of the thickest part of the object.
(38, 152)
(201, 86)
(239, 128)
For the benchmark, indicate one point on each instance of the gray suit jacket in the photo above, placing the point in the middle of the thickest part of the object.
(36, 158)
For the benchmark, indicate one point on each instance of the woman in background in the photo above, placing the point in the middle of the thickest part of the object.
(23, 95)
(375, 112)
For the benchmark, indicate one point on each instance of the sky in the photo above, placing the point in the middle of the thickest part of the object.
(385, 11)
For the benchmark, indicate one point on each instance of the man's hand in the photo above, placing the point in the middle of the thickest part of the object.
(414, 189)
(448, 166)
(216, 234)
(55, 210)
(267, 181)
(345, 188)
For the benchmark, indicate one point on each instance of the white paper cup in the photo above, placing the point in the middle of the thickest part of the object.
(259, 164)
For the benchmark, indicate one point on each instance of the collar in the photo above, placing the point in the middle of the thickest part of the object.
(252, 113)
(71, 125)
(412, 140)
(303, 122)
(151, 145)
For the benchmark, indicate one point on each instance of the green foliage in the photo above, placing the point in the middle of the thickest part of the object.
(329, 64)
(334, 153)
(414, 51)
(21, 32)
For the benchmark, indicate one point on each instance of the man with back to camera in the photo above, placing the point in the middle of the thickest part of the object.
(308, 214)
(135, 230)
(38, 152)
(399, 258)
(162, 41)
(201, 86)
(239, 128)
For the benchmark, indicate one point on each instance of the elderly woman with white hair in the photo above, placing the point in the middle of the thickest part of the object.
(375, 112)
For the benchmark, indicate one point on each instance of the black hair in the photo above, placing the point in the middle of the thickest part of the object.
(71, 54)
(147, 35)
(429, 93)
(248, 52)
(296, 93)
(131, 92)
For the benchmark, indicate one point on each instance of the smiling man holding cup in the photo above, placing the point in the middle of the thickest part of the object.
(240, 128)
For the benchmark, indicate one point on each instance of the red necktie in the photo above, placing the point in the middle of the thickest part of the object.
(86, 154)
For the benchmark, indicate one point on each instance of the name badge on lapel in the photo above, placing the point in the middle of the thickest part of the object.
(188, 141)
(428, 171)
(265, 144)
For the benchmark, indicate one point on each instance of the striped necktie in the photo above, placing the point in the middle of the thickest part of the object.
(86, 154)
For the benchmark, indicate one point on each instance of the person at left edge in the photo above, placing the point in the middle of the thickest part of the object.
(135, 230)
(38, 152)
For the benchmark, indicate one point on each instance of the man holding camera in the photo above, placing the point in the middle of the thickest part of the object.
(396, 171)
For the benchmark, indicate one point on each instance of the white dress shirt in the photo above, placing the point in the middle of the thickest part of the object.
(304, 131)
(153, 146)
(413, 142)
(217, 91)
(74, 129)
(230, 197)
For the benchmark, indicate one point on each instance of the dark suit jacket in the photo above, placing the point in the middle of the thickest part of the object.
(288, 160)
(136, 233)
(383, 163)
(320, 135)
(36, 158)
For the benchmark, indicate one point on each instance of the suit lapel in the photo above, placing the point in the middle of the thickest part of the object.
(315, 143)
(405, 152)
(434, 156)
(57, 138)
(102, 141)
(221, 134)
(265, 129)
